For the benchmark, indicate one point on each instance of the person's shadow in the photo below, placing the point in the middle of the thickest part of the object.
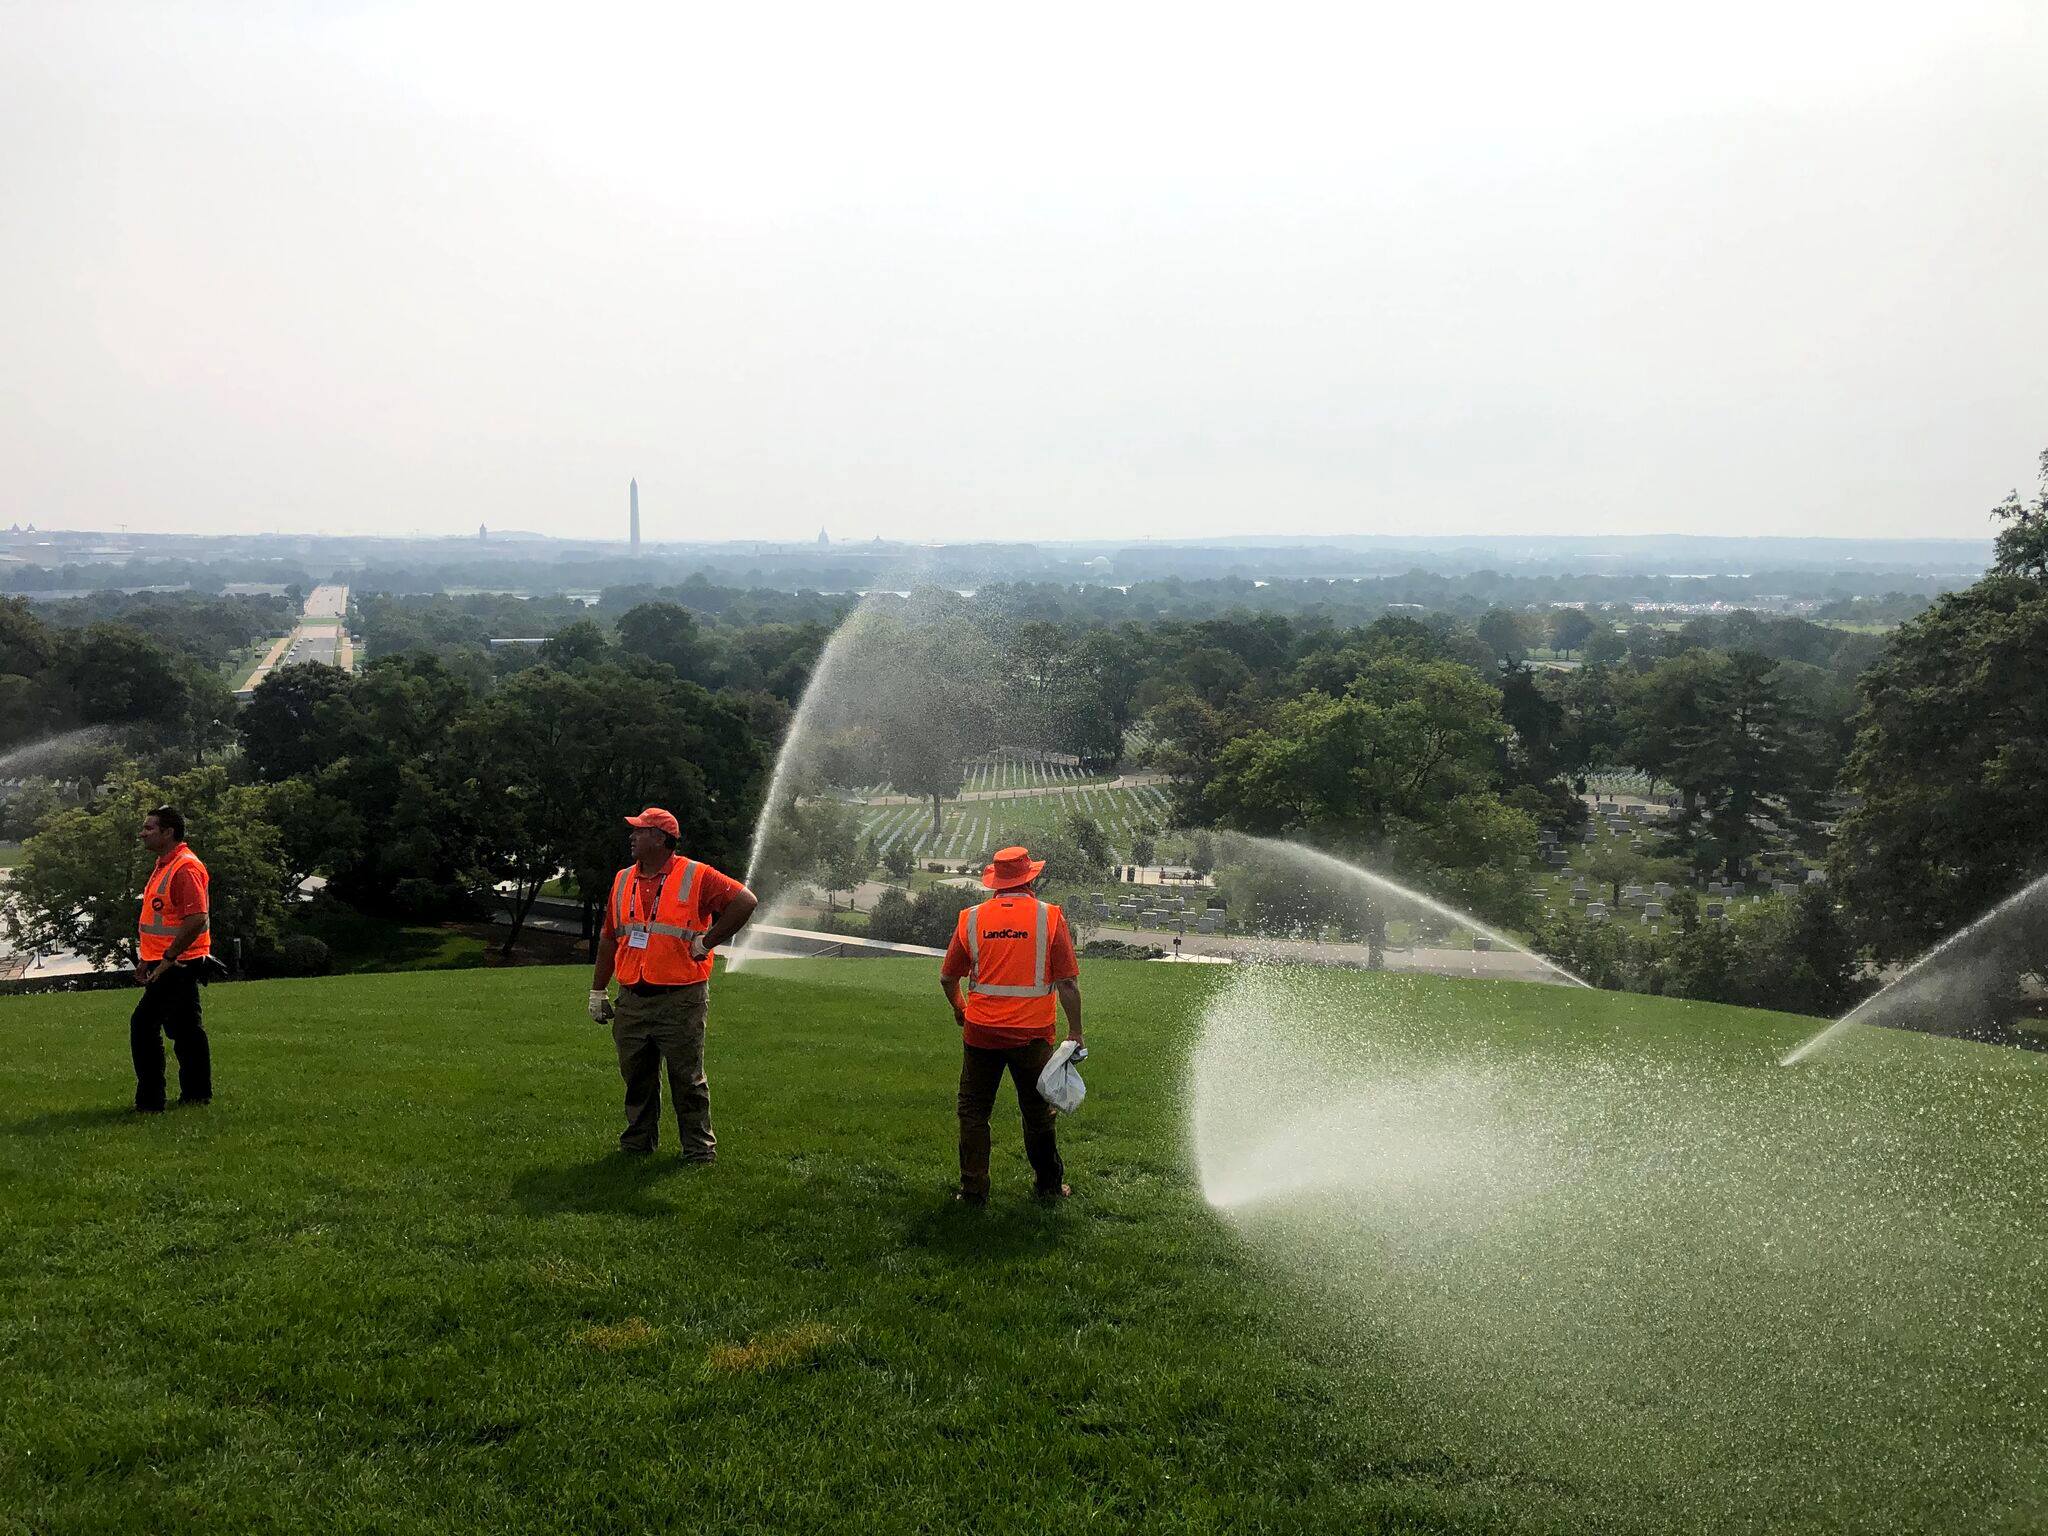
(614, 1183)
(1007, 1227)
(58, 1121)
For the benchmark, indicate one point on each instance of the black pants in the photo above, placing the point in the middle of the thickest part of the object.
(170, 1006)
(981, 1074)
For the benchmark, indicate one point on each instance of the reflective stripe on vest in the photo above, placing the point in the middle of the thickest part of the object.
(159, 882)
(628, 881)
(654, 945)
(1041, 941)
(155, 936)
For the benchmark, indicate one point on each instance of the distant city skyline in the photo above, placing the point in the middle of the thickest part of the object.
(1145, 274)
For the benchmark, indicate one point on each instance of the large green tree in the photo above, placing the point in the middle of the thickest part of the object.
(1666, 712)
(1505, 633)
(1398, 769)
(406, 834)
(1751, 759)
(1570, 628)
(667, 633)
(1951, 753)
(286, 727)
(555, 759)
(2022, 547)
(1107, 667)
(1949, 765)
(520, 749)
(936, 700)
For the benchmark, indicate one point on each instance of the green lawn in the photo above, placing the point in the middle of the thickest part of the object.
(394, 1279)
(238, 666)
(358, 943)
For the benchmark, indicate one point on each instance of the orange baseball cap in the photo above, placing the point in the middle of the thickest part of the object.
(1012, 866)
(654, 816)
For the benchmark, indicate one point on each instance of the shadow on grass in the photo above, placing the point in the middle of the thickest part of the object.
(58, 1121)
(360, 942)
(613, 1184)
(1018, 1227)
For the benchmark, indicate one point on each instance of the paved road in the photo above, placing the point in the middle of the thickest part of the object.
(327, 602)
(318, 637)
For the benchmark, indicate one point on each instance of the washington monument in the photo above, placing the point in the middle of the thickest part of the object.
(633, 499)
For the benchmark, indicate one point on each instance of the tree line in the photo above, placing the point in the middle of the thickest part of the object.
(1436, 745)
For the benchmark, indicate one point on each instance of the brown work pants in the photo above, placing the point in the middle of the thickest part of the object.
(657, 1030)
(981, 1075)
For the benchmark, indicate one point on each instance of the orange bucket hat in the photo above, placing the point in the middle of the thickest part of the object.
(1012, 866)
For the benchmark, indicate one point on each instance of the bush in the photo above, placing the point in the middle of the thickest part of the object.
(892, 918)
(927, 919)
(1117, 949)
(303, 955)
(299, 954)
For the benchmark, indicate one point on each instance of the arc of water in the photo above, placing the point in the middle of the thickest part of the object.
(1815, 1041)
(15, 759)
(1394, 888)
(822, 679)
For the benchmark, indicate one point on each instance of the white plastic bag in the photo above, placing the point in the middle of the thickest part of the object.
(1060, 1083)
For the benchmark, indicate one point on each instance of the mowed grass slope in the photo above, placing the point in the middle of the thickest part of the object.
(395, 1279)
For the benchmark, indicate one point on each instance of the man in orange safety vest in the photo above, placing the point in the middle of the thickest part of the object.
(173, 939)
(1013, 955)
(665, 916)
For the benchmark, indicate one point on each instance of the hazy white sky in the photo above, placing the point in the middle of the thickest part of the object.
(1052, 271)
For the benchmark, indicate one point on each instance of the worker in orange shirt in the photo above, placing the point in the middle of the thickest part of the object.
(172, 941)
(1013, 954)
(665, 917)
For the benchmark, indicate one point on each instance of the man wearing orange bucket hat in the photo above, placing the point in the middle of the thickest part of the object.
(666, 915)
(1013, 955)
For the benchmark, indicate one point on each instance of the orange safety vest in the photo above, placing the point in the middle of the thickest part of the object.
(161, 918)
(1004, 961)
(654, 947)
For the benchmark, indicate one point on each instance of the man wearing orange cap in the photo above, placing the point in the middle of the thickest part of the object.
(665, 917)
(1014, 954)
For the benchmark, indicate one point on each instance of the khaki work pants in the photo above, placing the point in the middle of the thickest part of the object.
(981, 1075)
(665, 1029)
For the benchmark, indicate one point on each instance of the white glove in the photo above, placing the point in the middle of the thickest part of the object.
(600, 1006)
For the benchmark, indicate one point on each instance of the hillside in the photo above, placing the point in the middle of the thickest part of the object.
(394, 1278)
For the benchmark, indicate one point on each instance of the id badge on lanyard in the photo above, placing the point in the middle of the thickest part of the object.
(637, 936)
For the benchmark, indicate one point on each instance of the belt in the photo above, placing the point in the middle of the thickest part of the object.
(654, 988)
